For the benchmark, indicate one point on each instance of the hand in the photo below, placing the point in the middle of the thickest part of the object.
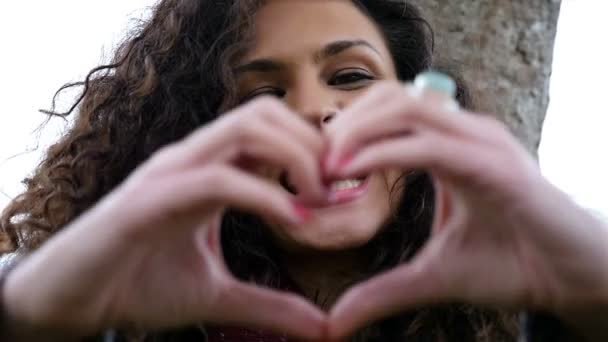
(149, 253)
(502, 235)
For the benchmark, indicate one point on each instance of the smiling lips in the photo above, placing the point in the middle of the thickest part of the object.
(340, 191)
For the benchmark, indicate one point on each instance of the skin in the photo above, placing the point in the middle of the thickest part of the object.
(180, 275)
(502, 235)
(318, 87)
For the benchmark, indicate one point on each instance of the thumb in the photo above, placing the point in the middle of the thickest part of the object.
(404, 288)
(252, 306)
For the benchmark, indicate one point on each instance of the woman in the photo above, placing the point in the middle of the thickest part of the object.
(313, 174)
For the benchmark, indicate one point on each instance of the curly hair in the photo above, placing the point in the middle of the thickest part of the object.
(172, 75)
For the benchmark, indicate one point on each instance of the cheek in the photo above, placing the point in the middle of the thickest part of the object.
(347, 98)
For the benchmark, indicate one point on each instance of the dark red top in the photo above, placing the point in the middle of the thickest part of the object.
(242, 335)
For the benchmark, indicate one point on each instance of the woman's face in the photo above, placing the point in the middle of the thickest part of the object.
(318, 57)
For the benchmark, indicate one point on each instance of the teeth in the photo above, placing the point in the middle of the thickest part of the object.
(345, 184)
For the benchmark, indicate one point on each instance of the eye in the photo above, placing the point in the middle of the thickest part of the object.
(351, 78)
(272, 91)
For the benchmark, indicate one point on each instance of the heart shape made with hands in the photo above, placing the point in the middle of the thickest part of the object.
(495, 234)
(419, 127)
(487, 187)
(501, 234)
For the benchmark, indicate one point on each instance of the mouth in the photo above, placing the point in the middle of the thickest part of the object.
(339, 191)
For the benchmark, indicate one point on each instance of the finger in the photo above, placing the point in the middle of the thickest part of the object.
(405, 288)
(429, 152)
(265, 111)
(362, 123)
(291, 123)
(224, 186)
(251, 306)
(258, 141)
(265, 143)
(396, 109)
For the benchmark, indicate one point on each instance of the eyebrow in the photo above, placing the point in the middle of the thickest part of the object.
(330, 50)
(340, 46)
(259, 65)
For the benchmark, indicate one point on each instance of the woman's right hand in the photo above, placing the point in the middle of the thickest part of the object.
(148, 255)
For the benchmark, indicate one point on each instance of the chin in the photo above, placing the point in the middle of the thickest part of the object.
(358, 213)
(320, 236)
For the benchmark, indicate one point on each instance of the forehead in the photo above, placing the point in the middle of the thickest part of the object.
(288, 27)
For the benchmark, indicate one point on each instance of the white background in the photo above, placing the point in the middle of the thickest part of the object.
(45, 44)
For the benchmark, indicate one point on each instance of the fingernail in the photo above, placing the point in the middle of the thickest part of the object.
(304, 214)
(342, 164)
(335, 167)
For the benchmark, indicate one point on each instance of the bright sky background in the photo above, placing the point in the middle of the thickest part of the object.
(59, 41)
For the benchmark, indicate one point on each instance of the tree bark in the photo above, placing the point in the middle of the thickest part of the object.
(504, 50)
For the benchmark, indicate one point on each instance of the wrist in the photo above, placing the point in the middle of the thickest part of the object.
(582, 305)
(16, 327)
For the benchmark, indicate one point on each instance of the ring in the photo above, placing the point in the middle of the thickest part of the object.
(436, 81)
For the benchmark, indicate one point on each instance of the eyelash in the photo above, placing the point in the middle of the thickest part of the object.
(268, 90)
(339, 79)
(361, 78)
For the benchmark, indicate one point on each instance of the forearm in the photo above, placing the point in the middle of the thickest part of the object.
(582, 303)
(589, 317)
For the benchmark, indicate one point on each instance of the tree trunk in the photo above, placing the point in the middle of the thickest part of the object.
(504, 50)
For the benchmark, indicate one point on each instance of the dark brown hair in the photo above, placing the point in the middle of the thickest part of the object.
(172, 75)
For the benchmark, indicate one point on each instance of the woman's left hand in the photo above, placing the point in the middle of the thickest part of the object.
(502, 235)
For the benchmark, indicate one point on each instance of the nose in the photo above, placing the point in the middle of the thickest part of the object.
(316, 104)
(327, 117)
(320, 117)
